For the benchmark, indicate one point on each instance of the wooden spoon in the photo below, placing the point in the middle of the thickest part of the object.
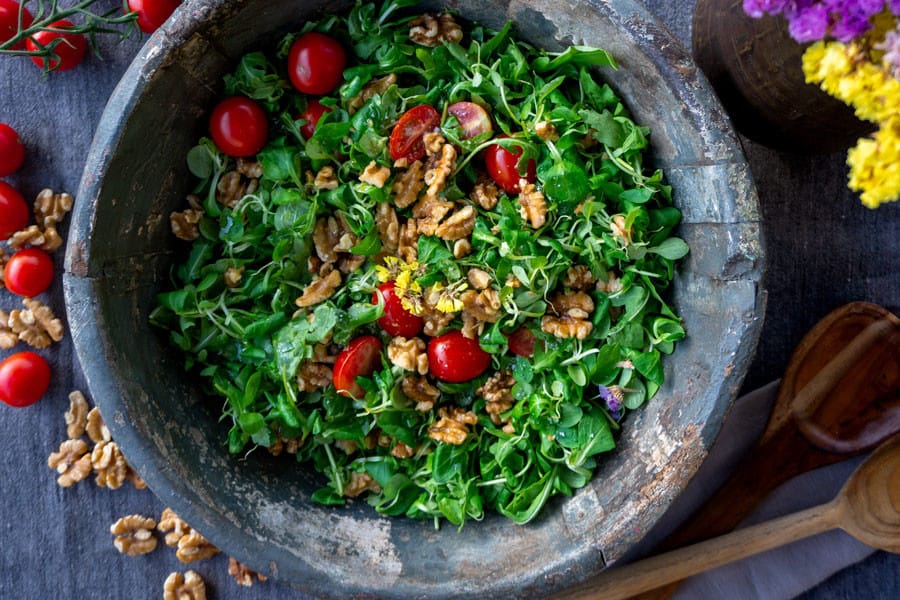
(867, 507)
(842, 384)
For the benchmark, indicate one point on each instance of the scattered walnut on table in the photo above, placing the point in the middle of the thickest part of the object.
(452, 427)
(76, 416)
(134, 535)
(185, 225)
(109, 464)
(431, 31)
(96, 428)
(497, 393)
(8, 338)
(189, 586)
(421, 391)
(47, 240)
(50, 208)
(193, 547)
(36, 325)
(242, 574)
(172, 526)
(408, 354)
(72, 462)
(532, 205)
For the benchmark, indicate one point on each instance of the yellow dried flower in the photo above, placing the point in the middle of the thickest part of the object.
(448, 297)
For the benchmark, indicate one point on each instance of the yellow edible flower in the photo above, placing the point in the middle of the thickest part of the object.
(448, 297)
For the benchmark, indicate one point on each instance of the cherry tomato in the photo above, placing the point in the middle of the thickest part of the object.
(316, 63)
(502, 166)
(13, 211)
(521, 342)
(359, 359)
(396, 320)
(24, 377)
(71, 49)
(454, 358)
(406, 137)
(473, 119)
(238, 126)
(12, 150)
(28, 272)
(312, 114)
(152, 13)
(9, 21)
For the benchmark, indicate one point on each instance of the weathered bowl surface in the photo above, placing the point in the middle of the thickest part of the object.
(259, 511)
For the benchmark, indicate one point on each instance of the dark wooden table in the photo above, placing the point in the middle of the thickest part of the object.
(824, 250)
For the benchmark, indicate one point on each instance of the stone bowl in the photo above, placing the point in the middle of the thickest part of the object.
(259, 510)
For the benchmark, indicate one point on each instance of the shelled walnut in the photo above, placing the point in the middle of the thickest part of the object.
(421, 391)
(8, 337)
(242, 574)
(76, 416)
(320, 289)
(375, 174)
(134, 535)
(408, 354)
(189, 586)
(569, 316)
(95, 427)
(408, 184)
(452, 427)
(36, 325)
(72, 461)
(497, 393)
(193, 547)
(532, 205)
(359, 483)
(431, 31)
(109, 464)
(172, 526)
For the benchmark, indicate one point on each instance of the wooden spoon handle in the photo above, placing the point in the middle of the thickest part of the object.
(644, 575)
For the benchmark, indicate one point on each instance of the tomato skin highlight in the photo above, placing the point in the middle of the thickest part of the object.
(472, 117)
(239, 126)
(396, 320)
(24, 377)
(406, 136)
(454, 358)
(502, 166)
(521, 342)
(71, 50)
(9, 22)
(359, 359)
(13, 211)
(316, 63)
(312, 114)
(29, 272)
(12, 150)
(152, 13)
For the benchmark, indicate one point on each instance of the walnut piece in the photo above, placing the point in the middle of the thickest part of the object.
(388, 227)
(408, 354)
(479, 278)
(189, 586)
(578, 277)
(50, 208)
(532, 205)
(452, 427)
(611, 285)
(436, 175)
(458, 225)
(482, 305)
(319, 290)
(462, 248)
(325, 179)
(36, 325)
(76, 416)
(497, 392)
(408, 242)
(620, 230)
(331, 237)
(312, 376)
(47, 240)
(232, 188)
(72, 462)
(251, 169)
(134, 535)
(401, 450)
(233, 276)
(434, 320)
(96, 428)
(570, 314)
(485, 194)
(431, 31)
(359, 483)
(193, 547)
(408, 184)
(421, 391)
(433, 142)
(185, 224)
(242, 574)
(378, 85)
(283, 444)
(430, 211)
(172, 526)
(375, 174)
(109, 464)
(546, 131)
(8, 338)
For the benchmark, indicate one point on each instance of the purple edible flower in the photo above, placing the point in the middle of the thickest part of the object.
(809, 24)
(612, 403)
(758, 8)
(891, 47)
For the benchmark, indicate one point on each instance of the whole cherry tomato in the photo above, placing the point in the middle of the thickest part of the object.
(24, 377)
(406, 137)
(521, 342)
(359, 359)
(70, 50)
(12, 150)
(238, 126)
(13, 211)
(502, 166)
(316, 63)
(312, 114)
(454, 358)
(396, 320)
(9, 21)
(28, 272)
(472, 117)
(152, 13)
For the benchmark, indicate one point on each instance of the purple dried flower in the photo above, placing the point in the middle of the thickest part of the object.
(894, 5)
(891, 47)
(809, 24)
(758, 8)
(612, 403)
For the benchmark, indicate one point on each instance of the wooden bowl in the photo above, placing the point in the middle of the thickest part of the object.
(259, 510)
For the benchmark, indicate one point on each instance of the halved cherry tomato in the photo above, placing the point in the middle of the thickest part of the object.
(24, 377)
(406, 137)
(70, 50)
(312, 114)
(502, 166)
(238, 126)
(396, 320)
(521, 342)
(12, 150)
(152, 13)
(359, 359)
(13, 211)
(9, 21)
(29, 272)
(316, 63)
(473, 119)
(454, 358)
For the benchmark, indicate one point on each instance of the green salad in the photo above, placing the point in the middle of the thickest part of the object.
(426, 259)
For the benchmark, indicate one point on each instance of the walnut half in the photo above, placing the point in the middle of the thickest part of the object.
(134, 535)
(189, 586)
